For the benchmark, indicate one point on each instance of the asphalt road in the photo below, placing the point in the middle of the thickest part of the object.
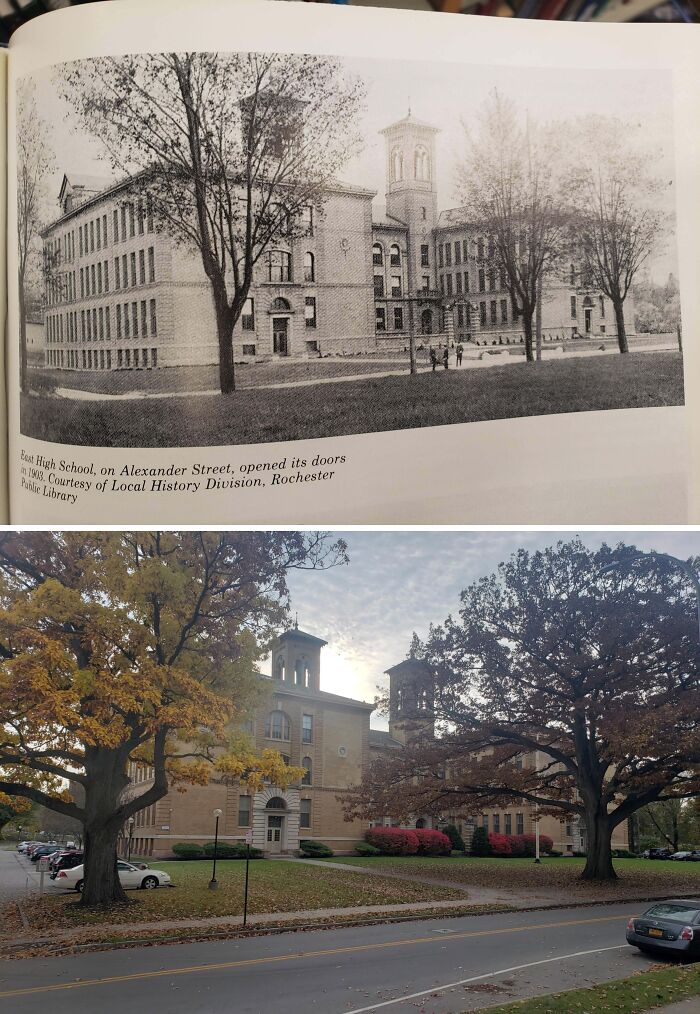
(439, 966)
(17, 876)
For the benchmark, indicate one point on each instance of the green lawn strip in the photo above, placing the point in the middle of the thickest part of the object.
(637, 380)
(641, 992)
(274, 887)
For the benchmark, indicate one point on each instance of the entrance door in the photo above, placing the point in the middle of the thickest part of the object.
(587, 321)
(275, 825)
(280, 336)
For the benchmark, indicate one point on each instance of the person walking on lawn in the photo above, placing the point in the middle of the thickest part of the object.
(446, 357)
(433, 359)
(460, 350)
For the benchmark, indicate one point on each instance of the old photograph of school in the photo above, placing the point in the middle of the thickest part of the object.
(219, 248)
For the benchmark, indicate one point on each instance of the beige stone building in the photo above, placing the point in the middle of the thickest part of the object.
(330, 737)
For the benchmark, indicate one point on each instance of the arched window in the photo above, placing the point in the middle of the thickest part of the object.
(421, 163)
(279, 264)
(426, 322)
(377, 255)
(286, 758)
(397, 165)
(276, 803)
(420, 822)
(394, 256)
(306, 764)
(309, 267)
(422, 700)
(572, 275)
(307, 676)
(281, 670)
(399, 699)
(277, 726)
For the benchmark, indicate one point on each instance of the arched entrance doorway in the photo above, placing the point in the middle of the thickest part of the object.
(280, 311)
(426, 322)
(275, 814)
(587, 315)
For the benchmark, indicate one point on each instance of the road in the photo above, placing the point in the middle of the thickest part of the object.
(438, 966)
(17, 876)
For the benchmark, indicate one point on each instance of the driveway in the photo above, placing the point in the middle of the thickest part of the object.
(17, 876)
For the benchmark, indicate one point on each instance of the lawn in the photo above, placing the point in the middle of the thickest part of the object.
(635, 876)
(637, 380)
(625, 996)
(274, 887)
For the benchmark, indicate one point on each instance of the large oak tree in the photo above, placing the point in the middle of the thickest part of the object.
(585, 663)
(231, 149)
(119, 647)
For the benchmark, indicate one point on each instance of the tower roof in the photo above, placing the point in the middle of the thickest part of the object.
(409, 665)
(301, 635)
(410, 121)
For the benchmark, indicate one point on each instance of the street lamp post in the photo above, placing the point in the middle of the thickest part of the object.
(213, 883)
(537, 833)
(131, 838)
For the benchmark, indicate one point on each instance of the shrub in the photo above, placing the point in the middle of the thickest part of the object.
(579, 854)
(227, 850)
(455, 838)
(363, 848)
(553, 854)
(315, 849)
(480, 843)
(393, 841)
(432, 843)
(623, 854)
(186, 850)
(500, 844)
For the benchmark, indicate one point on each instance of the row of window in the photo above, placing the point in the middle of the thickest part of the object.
(133, 320)
(146, 817)
(421, 164)
(395, 288)
(495, 823)
(123, 278)
(129, 220)
(279, 266)
(279, 727)
(395, 255)
(380, 318)
(488, 281)
(102, 359)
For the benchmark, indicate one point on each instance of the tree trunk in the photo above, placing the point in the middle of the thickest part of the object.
(102, 885)
(22, 336)
(224, 330)
(527, 328)
(620, 322)
(599, 864)
(538, 321)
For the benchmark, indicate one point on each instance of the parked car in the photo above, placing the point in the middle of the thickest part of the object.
(680, 856)
(130, 876)
(659, 854)
(65, 861)
(693, 856)
(42, 852)
(24, 846)
(669, 927)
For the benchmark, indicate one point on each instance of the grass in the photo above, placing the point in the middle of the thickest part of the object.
(637, 380)
(274, 887)
(636, 877)
(640, 992)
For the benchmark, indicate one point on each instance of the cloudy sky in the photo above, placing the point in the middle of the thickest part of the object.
(398, 582)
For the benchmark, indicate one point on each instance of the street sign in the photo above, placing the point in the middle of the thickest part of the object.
(249, 838)
(42, 866)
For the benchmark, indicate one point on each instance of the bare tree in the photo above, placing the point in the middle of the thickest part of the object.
(234, 151)
(508, 181)
(618, 220)
(34, 162)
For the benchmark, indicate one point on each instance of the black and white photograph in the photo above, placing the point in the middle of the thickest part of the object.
(238, 248)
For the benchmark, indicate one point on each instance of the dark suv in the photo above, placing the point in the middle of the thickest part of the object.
(66, 861)
(660, 853)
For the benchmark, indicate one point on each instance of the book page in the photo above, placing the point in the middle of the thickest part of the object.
(271, 277)
(4, 492)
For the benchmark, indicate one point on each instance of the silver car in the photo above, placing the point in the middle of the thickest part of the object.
(668, 927)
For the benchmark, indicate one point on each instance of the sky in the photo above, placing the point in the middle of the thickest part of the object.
(446, 96)
(398, 582)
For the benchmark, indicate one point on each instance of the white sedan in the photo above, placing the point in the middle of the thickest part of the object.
(129, 876)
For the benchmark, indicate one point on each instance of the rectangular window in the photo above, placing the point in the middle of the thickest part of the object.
(396, 285)
(82, 324)
(149, 217)
(248, 315)
(307, 218)
(125, 272)
(458, 282)
(133, 269)
(466, 281)
(424, 255)
(519, 823)
(310, 311)
(465, 250)
(80, 239)
(482, 314)
(442, 283)
(108, 327)
(89, 326)
(601, 300)
(573, 307)
(460, 314)
(127, 326)
(398, 318)
(99, 277)
(144, 318)
(106, 273)
(142, 267)
(482, 280)
(123, 221)
(378, 286)
(93, 282)
(119, 321)
(307, 728)
(494, 317)
(426, 283)
(441, 255)
(504, 311)
(449, 284)
(151, 264)
(82, 284)
(154, 357)
(154, 329)
(492, 279)
(508, 823)
(279, 266)
(140, 217)
(458, 252)
(380, 318)
(448, 255)
(101, 324)
(115, 226)
(135, 318)
(496, 823)
(485, 822)
(248, 350)
(92, 237)
(132, 220)
(305, 813)
(116, 273)
(244, 811)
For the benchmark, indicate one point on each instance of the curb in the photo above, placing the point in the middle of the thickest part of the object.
(238, 932)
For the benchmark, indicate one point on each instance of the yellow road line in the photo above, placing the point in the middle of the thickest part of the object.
(274, 959)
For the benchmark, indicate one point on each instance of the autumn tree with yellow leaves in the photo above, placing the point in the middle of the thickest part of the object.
(136, 646)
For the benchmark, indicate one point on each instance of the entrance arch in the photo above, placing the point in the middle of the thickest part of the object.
(275, 811)
(426, 322)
